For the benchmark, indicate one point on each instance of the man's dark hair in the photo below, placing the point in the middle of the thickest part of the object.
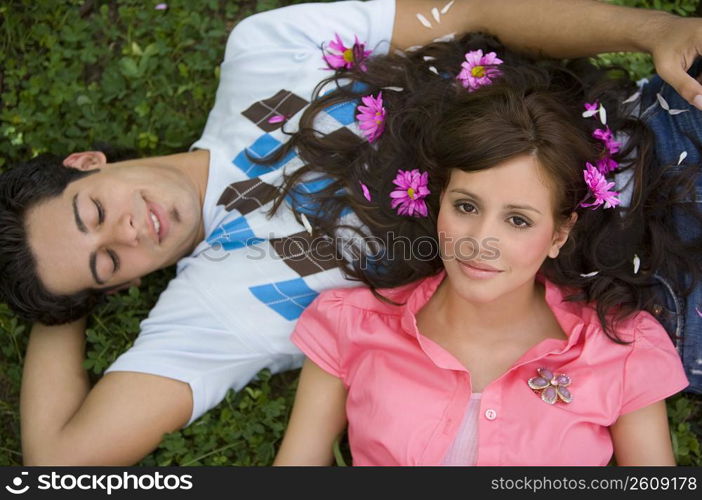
(21, 188)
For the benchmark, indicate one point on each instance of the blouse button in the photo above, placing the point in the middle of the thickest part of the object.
(490, 414)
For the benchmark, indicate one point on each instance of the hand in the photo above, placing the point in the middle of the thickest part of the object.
(674, 49)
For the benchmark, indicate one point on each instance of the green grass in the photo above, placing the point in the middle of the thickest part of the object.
(76, 72)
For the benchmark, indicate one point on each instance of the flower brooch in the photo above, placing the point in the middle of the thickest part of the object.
(552, 387)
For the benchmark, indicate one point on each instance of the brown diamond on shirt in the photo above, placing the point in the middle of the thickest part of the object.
(284, 104)
(246, 196)
(306, 255)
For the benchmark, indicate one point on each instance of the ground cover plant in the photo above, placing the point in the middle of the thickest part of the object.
(124, 72)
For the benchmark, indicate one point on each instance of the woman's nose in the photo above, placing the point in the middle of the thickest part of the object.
(482, 236)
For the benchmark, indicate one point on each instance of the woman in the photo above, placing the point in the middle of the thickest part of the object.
(522, 339)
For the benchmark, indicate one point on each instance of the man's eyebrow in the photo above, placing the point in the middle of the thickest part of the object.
(79, 222)
(83, 229)
(508, 207)
(93, 268)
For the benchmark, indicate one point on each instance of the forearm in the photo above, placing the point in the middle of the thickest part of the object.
(54, 385)
(318, 418)
(557, 28)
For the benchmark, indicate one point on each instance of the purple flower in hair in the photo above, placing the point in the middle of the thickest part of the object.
(371, 116)
(606, 165)
(599, 188)
(479, 70)
(366, 192)
(606, 136)
(341, 56)
(591, 109)
(408, 197)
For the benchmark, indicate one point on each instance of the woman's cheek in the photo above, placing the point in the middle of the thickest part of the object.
(528, 252)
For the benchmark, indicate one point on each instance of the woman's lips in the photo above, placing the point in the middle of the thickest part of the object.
(478, 270)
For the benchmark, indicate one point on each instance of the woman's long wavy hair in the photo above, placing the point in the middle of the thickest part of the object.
(535, 107)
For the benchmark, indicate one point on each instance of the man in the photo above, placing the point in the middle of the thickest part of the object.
(98, 227)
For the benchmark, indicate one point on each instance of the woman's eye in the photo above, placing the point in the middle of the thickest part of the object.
(520, 222)
(464, 207)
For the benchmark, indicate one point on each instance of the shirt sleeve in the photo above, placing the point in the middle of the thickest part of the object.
(653, 370)
(184, 339)
(318, 333)
(308, 25)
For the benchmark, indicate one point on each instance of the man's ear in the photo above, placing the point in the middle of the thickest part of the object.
(135, 282)
(86, 160)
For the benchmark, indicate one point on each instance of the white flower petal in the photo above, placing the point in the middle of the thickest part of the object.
(590, 275)
(590, 113)
(603, 115)
(683, 155)
(637, 264)
(632, 98)
(674, 112)
(662, 102)
(429, 58)
(394, 89)
(433, 70)
(445, 38)
(435, 14)
(413, 48)
(425, 22)
(399, 52)
(446, 7)
(306, 223)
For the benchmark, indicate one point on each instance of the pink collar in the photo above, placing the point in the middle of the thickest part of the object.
(568, 314)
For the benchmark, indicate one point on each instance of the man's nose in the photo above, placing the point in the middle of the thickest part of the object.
(125, 230)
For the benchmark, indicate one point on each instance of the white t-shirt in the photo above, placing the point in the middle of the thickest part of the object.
(230, 309)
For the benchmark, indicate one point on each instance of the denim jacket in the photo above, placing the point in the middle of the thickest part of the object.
(675, 133)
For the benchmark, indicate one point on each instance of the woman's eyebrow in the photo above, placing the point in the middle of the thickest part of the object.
(522, 207)
(508, 207)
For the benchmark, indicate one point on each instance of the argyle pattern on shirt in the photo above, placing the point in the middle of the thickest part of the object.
(246, 199)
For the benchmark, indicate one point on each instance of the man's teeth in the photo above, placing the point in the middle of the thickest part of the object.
(157, 224)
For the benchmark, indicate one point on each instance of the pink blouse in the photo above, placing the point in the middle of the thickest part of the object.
(407, 396)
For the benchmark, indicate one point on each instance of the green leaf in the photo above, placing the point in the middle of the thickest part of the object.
(129, 67)
(136, 50)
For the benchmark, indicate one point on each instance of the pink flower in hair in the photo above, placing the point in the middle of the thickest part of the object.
(479, 70)
(599, 188)
(606, 165)
(408, 197)
(592, 107)
(366, 192)
(341, 56)
(606, 136)
(372, 116)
